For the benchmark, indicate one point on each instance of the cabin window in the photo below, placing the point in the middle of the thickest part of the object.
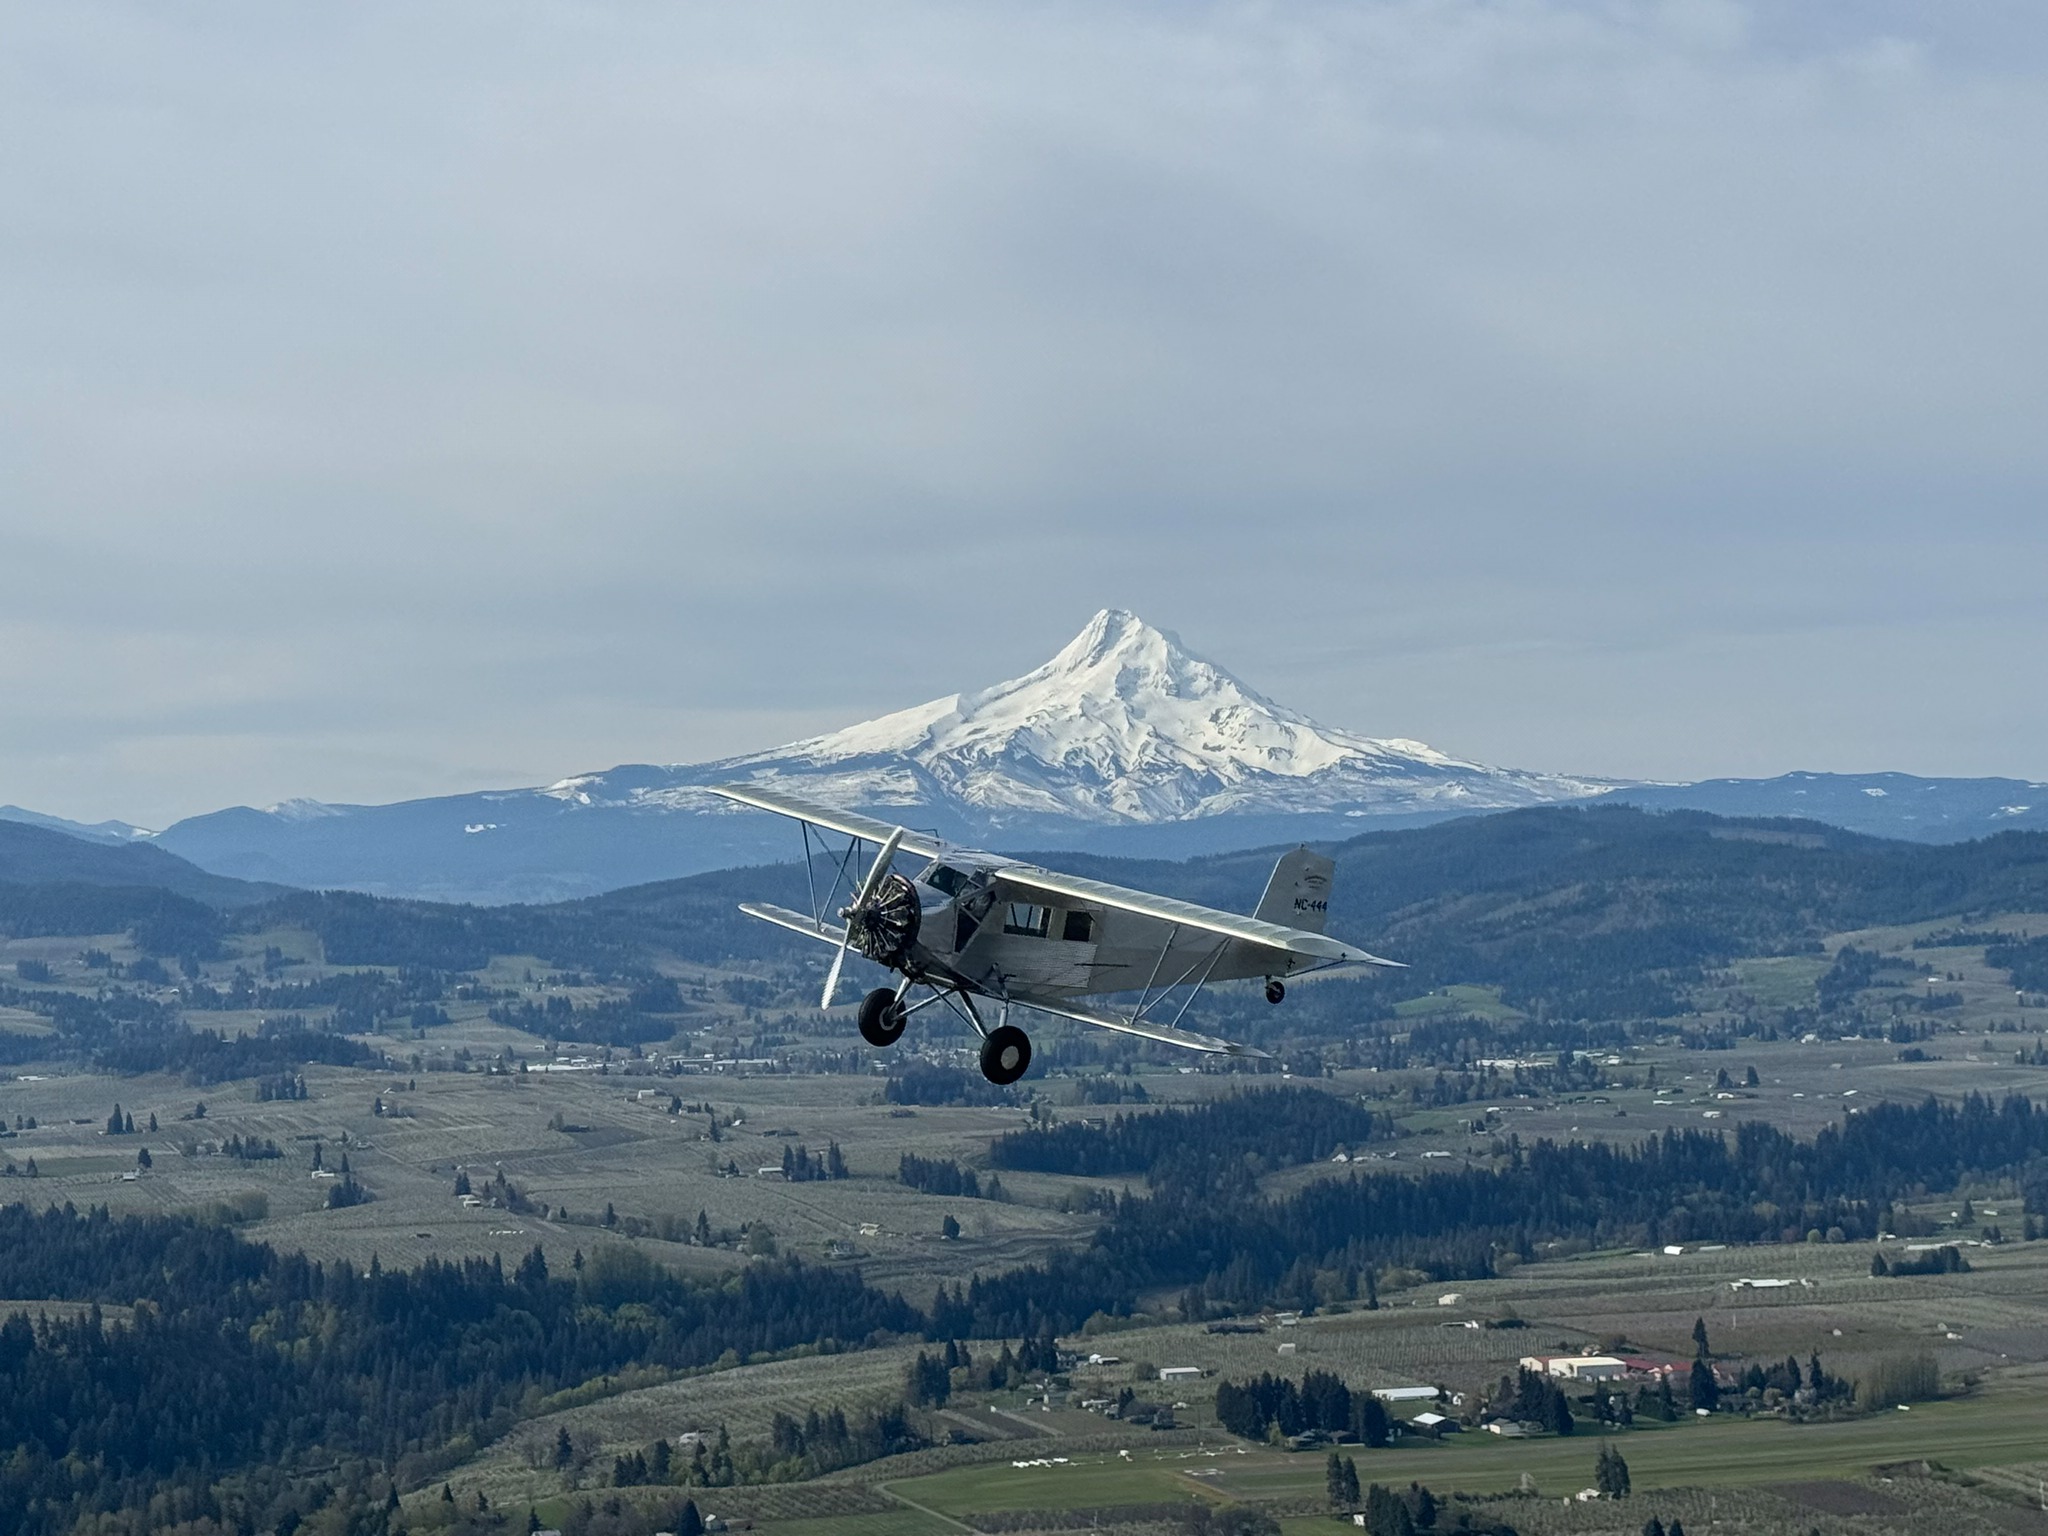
(1079, 928)
(943, 877)
(1032, 922)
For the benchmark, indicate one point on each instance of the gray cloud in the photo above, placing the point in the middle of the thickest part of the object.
(395, 400)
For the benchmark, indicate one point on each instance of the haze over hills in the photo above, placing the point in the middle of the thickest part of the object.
(93, 832)
(1124, 743)
(41, 856)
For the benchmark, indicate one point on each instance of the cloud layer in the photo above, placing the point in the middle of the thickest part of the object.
(395, 400)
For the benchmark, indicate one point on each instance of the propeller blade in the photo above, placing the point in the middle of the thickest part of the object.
(868, 887)
(876, 870)
(832, 976)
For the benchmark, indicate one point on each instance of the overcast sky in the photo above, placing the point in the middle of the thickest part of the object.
(405, 399)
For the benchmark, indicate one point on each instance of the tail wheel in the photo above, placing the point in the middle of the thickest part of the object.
(1275, 991)
(1005, 1055)
(881, 1018)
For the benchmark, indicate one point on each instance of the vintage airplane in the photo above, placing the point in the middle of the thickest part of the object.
(976, 924)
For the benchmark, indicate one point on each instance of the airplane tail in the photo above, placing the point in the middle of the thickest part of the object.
(1298, 895)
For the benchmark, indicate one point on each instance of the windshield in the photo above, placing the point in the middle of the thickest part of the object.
(943, 877)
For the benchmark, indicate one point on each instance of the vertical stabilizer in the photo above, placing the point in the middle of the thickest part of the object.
(1298, 895)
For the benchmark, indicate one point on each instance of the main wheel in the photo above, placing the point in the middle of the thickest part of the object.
(1274, 991)
(881, 1018)
(1005, 1055)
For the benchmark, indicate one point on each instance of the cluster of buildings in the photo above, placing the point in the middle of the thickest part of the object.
(1591, 1368)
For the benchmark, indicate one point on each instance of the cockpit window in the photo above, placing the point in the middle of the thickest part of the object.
(943, 877)
(1030, 921)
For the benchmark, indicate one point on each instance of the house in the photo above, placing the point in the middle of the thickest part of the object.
(1450, 1298)
(1507, 1429)
(1180, 1373)
(1286, 1349)
(1435, 1424)
(1643, 1365)
(1587, 1368)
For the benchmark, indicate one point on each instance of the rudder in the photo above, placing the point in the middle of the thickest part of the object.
(1298, 895)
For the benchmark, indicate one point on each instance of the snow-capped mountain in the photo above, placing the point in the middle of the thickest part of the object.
(1123, 726)
(1123, 743)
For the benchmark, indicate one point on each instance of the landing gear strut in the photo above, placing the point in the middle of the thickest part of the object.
(1005, 1054)
(882, 1018)
(1275, 991)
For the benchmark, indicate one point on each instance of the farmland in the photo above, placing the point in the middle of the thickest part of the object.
(676, 1147)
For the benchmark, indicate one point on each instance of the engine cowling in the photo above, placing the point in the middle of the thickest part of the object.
(885, 926)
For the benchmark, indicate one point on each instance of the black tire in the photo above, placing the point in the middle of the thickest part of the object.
(1005, 1055)
(1275, 991)
(881, 1018)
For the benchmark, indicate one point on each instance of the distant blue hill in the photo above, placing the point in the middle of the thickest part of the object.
(1881, 804)
(33, 855)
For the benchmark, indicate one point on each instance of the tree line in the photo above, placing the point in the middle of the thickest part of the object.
(1239, 1251)
(1201, 1146)
(240, 1359)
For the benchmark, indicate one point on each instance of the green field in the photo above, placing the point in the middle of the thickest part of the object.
(903, 1522)
(1467, 1001)
(1994, 1428)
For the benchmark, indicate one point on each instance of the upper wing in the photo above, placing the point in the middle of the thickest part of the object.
(846, 823)
(1187, 915)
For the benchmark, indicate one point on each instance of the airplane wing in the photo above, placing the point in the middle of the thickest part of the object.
(1081, 1013)
(845, 823)
(1188, 915)
(795, 922)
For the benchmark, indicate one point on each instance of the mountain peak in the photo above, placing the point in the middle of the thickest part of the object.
(1117, 654)
(1114, 632)
(1125, 724)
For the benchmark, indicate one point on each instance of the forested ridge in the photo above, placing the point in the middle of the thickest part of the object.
(240, 1359)
(1606, 912)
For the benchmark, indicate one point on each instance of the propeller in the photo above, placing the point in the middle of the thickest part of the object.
(855, 910)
